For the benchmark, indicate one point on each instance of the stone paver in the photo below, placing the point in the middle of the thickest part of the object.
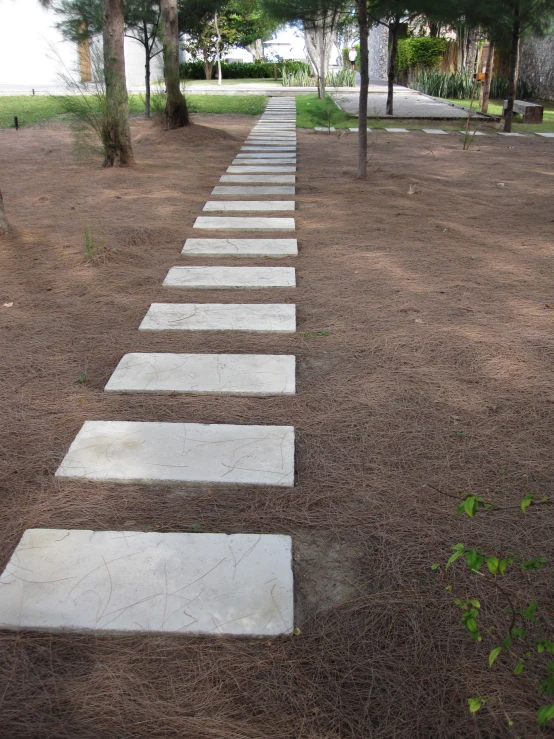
(64, 580)
(250, 317)
(264, 162)
(437, 131)
(477, 133)
(253, 190)
(355, 130)
(397, 130)
(244, 223)
(230, 277)
(546, 135)
(261, 169)
(241, 247)
(512, 133)
(407, 104)
(267, 179)
(263, 155)
(324, 128)
(197, 453)
(268, 147)
(249, 205)
(204, 374)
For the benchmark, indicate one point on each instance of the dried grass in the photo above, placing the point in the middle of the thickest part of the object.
(436, 371)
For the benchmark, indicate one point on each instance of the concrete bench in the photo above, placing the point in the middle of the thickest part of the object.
(531, 112)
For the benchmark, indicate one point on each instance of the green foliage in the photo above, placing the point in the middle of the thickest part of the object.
(419, 52)
(475, 704)
(195, 70)
(459, 85)
(341, 78)
(312, 111)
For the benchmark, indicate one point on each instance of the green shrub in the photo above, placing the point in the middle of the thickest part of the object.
(458, 86)
(419, 51)
(240, 70)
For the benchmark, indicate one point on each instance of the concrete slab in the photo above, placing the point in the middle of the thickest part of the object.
(266, 179)
(271, 138)
(249, 205)
(264, 162)
(134, 582)
(546, 135)
(437, 131)
(261, 169)
(263, 155)
(326, 129)
(477, 133)
(253, 190)
(397, 130)
(196, 453)
(355, 130)
(243, 223)
(268, 147)
(269, 318)
(258, 375)
(407, 104)
(241, 247)
(512, 133)
(230, 277)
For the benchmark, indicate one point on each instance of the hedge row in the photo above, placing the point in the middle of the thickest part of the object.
(240, 70)
(423, 52)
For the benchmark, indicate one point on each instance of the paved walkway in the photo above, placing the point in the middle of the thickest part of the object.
(153, 582)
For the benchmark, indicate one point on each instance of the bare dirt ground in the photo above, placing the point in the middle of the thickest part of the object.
(435, 374)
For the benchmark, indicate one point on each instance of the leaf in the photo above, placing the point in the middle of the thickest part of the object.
(297, 631)
(544, 715)
(529, 612)
(475, 603)
(503, 563)
(493, 655)
(435, 566)
(475, 704)
(492, 564)
(526, 502)
(81, 379)
(518, 669)
(454, 557)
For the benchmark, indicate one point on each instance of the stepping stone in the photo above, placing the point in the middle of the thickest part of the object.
(227, 277)
(133, 582)
(241, 247)
(269, 179)
(477, 133)
(263, 155)
(204, 374)
(324, 128)
(546, 135)
(502, 133)
(252, 169)
(268, 147)
(434, 130)
(277, 318)
(355, 130)
(271, 139)
(196, 453)
(397, 130)
(253, 190)
(230, 205)
(264, 162)
(245, 223)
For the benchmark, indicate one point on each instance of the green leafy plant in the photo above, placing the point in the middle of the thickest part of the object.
(420, 52)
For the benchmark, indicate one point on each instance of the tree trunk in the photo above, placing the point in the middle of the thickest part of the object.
(514, 54)
(4, 225)
(257, 49)
(487, 82)
(319, 36)
(364, 87)
(117, 134)
(176, 112)
(434, 29)
(146, 70)
(217, 49)
(393, 39)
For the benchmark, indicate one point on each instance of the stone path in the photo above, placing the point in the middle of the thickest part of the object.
(151, 582)
(434, 131)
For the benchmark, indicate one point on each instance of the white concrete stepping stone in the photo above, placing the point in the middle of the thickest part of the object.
(546, 135)
(434, 131)
(197, 453)
(252, 179)
(250, 205)
(324, 128)
(243, 223)
(272, 140)
(397, 130)
(241, 247)
(477, 133)
(253, 169)
(264, 162)
(253, 190)
(133, 582)
(268, 147)
(264, 155)
(512, 133)
(230, 277)
(355, 130)
(204, 374)
(277, 318)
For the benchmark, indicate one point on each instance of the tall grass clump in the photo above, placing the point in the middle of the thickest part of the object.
(458, 85)
(302, 78)
(341, 78)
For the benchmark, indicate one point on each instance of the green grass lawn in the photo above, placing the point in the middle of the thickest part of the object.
(495, 108)
(311, 111)
(33, 109)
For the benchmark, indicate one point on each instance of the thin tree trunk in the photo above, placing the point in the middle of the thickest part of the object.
(322, 66)
(117, 134)
(146, 70)
(319, 36)
(176, 112)
(217, 49)
(364, 88)
(4, 225)
(487, 82)
(394, 27)
(514, 54)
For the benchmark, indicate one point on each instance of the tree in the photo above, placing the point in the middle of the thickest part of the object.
(363, 25)
(176, 112)
(118, 134)
(4, 225)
